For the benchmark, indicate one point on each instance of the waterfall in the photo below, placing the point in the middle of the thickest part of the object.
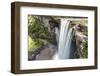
(65, 38)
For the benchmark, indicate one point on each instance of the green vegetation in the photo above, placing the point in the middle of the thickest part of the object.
(85, 49)
(85, 32)
(84, 44)
(31, 44)
(38, 34)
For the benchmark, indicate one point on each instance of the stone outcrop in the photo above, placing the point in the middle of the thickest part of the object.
(79, 39)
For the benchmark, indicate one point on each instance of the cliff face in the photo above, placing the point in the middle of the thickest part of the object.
(81, 41)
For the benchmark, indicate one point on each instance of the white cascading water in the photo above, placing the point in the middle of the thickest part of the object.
(64, 39)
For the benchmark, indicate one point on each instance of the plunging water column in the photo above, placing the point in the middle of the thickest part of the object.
(65, 39)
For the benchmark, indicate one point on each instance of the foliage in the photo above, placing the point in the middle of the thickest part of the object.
(85, 31)
(85, 49)
(38, 33)
(31, 44)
